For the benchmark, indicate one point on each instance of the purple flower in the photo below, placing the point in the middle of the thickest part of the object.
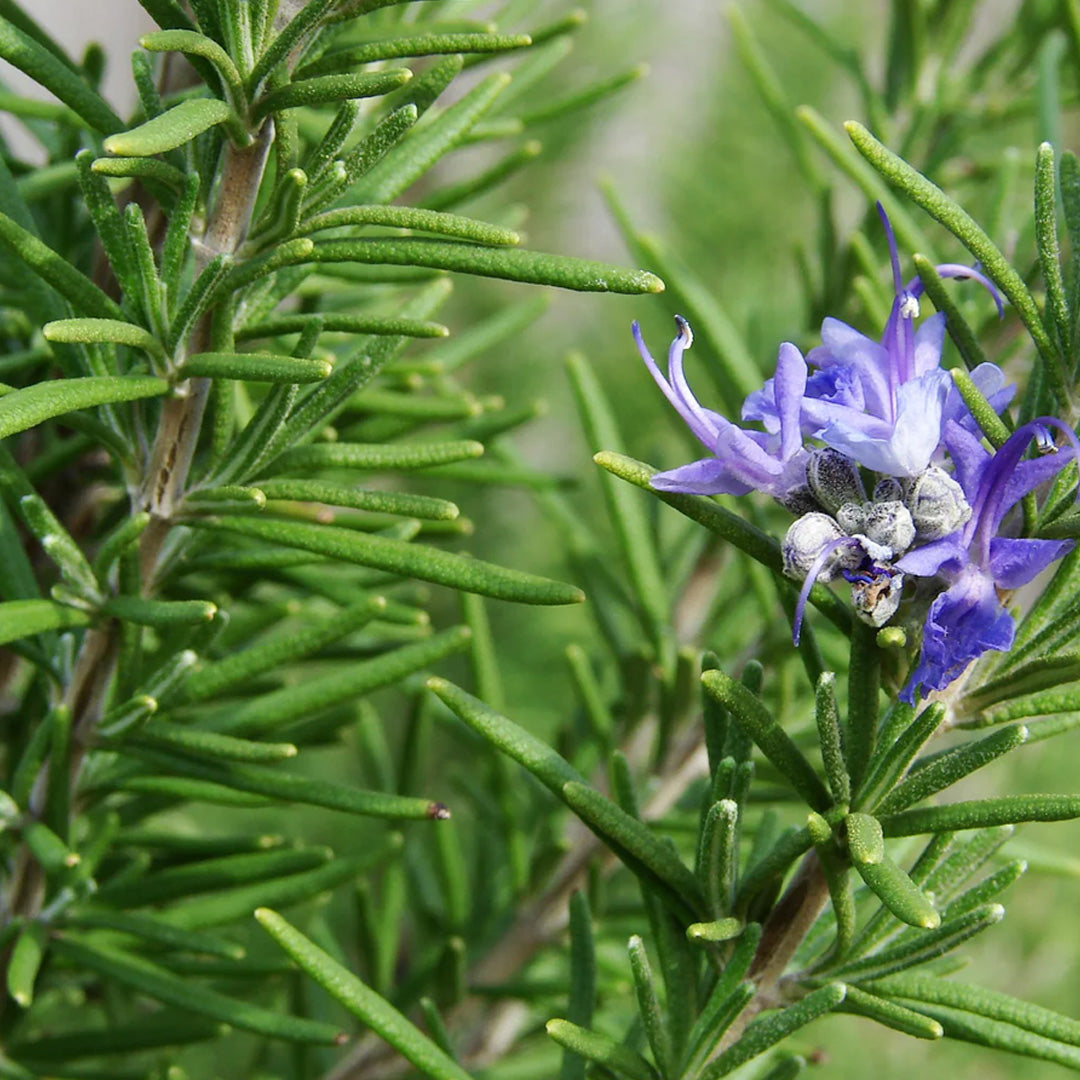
(884, 404)
(741, 461)
(968, 618)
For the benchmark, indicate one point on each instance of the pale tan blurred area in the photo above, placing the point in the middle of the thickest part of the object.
(116, 25)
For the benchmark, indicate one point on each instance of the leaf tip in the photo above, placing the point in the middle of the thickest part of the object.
(438, 811)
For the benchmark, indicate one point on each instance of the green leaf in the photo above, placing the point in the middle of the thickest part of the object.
(545, 763)
(79, 291)
(411, 217)
(991, 425)
(272, 652)
(175, 883)
(144, 168)
(605, 1051)
(562, 779)
(510, 264)
(991, 1004)
(366, 456)
(952, 766)
(108, 223)
(162, 985)
(44, 67)
(924, 946)
(1046, 241)
(582, 997)
(151, 929)
(719, 855)
(160, 613)
(173, 128)
(274, 783)
(865, 840)
(375, 1012)
(380, 502)
(283, 889)
(712, 933)
(53, 855)
(396, 48)
(964, 227)
(982, 814)
(194, 44)
(768, 1031)
(898, 892)
(625, 509)
(890, 1014)
(400, 169)
(339, 322)
(896, 752)
(299, 26)
(633, 841)
(652, 1016)
(164, 1028)
(267, 711)
(330, 88)
(24, 963)
(23, 618)
(399, 557)
(751, 715)
(968, 1027)
(737, 531)
(254, 367)
(209, 744)
(96, 331)
(827, 716)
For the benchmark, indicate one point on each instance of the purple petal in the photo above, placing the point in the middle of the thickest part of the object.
(790, 386)
(958, 270)
(842, 344)
(1016, 562)
(702, 432)
(760, 405)
(912, 441)
(969, 457)
(927, 560)
(963, 622)
(894, 255)
(989, 380)
(709, 476)
(928, 341)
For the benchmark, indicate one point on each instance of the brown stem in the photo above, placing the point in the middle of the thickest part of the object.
(162, 488)
(788, 923)
(182, 415)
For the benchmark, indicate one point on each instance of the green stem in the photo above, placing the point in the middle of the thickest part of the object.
(864, 689)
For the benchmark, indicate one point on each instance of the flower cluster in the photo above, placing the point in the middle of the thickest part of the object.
(856, 414)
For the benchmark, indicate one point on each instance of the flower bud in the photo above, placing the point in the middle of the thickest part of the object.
(937, 504)
(889, 524)
(876, 594)
(834, 479)
(798, 500)
(808, 537)
(851, 517)
(888, 489)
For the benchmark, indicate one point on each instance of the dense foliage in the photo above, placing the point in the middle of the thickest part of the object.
(233, 450)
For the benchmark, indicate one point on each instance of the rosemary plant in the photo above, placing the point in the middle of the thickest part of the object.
(221, 357)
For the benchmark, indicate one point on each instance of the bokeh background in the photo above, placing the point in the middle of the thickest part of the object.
(696, 158)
